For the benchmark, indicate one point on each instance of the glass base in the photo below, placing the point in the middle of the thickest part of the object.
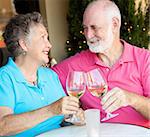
(72, 119)
(109, 116)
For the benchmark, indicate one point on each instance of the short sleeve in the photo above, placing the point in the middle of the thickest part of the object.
(146, 76)
(7, 97)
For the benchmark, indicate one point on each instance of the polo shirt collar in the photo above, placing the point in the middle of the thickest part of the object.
(16, 72)
(127, 55)
(92, 58)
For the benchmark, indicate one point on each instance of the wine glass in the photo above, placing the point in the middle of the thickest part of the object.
(98, 87)
(75, 86)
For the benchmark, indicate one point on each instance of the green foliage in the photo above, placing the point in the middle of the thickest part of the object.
(135, 23)
(134, 27)
(76, 41)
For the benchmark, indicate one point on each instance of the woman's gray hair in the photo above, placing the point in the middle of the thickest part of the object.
(19, 27)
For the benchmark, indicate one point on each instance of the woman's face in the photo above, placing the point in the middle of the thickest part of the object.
(38, 45)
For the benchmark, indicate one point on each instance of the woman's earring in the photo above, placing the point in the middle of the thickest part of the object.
(24, 53)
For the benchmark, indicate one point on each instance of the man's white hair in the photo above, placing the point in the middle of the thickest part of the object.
(109, 8)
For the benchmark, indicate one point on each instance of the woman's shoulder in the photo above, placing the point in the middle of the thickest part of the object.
(4, 74)
(3, 70)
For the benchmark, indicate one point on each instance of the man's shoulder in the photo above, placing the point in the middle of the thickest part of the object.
(140, 52)
(77, 58)
(76, 62)
(137, 51)
(83, 54)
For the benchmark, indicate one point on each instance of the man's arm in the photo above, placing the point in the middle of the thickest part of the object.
(12, 124)
(141, 104)
(117, 98)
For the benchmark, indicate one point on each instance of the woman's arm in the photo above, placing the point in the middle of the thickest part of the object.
(11, 124)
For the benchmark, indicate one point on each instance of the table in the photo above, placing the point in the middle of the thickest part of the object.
(107, 130)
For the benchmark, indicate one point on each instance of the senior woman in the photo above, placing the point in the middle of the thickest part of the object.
(32, 100)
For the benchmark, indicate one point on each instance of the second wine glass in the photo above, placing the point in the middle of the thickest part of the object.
(98, 87)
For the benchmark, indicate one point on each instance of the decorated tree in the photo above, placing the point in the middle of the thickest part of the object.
(134, 27)
(135, 22)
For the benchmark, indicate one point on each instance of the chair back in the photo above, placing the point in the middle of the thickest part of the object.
(4, 55)
(1, 57)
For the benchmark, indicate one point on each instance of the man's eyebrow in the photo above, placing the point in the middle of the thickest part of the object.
(83, 26)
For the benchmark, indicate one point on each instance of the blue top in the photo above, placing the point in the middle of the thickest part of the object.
(17, 94)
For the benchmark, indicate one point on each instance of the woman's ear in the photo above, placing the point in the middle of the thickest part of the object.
(22, 44)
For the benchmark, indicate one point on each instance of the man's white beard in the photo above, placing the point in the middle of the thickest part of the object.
(100, 46)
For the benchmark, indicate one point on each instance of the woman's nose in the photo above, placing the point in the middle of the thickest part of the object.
(49, 45)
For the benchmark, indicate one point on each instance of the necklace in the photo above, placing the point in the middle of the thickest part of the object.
(29, 77)
(32, 82)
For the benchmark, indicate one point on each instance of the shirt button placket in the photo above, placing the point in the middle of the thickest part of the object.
(107, 74)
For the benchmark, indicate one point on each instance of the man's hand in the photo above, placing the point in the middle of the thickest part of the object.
(115, 99)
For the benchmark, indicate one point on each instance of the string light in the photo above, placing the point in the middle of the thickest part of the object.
(125, 23)
(144, 29)
(130, 38)
(137, 26)
(67, 41)
(81, 31)
(69, 49)
(131, 27)
(129, 30)
(80, 47)
(84, 41)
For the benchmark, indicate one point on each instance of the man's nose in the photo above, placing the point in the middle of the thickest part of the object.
(89, 34)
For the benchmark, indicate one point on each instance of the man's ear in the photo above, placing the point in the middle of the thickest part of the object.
(115, 24)
(23, 45)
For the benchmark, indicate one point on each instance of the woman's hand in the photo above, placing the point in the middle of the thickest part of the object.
(77, 119)
(80, 116)
(64, 106)
(70, 105)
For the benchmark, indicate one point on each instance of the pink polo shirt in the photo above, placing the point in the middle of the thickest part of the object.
(131, 72)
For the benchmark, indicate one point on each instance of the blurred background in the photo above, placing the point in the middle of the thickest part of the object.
(64, 20)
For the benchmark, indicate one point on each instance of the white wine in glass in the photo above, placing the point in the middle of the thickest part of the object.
(98, 87)
(75, 86)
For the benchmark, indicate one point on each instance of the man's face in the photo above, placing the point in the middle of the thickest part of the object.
(98, 32)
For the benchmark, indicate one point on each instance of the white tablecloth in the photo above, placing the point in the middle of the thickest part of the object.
(107, 130)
